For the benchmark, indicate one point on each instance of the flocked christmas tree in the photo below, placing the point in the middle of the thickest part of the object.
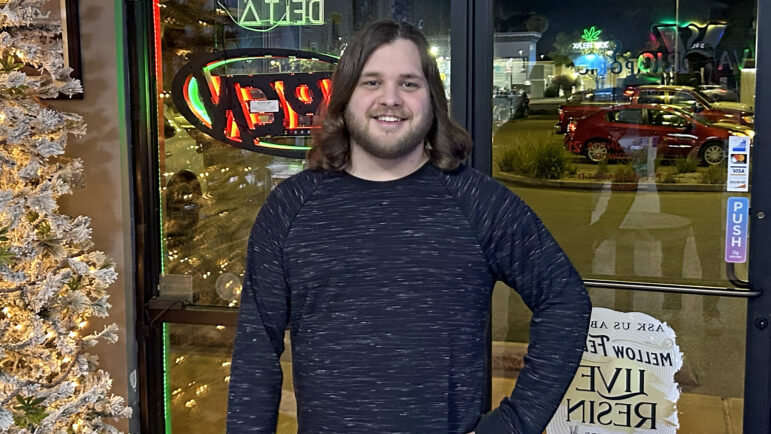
(51, 281)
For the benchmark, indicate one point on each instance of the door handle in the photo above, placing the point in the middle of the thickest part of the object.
(730, 272)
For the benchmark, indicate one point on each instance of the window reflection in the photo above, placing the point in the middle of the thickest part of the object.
(212, 191)
(623, 155)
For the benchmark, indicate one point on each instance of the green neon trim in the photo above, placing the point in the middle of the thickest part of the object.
(166, 391)
(277, 146)
(195, 99)
(208, 68)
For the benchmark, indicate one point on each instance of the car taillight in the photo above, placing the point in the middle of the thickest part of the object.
(572, 127)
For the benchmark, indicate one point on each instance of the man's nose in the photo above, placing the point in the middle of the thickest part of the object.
(390, 95)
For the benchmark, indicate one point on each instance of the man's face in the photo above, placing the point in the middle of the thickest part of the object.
(389, 113)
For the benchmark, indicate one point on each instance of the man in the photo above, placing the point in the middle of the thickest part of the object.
(381, 260)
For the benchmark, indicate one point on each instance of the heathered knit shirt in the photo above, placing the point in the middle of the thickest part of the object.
(385, 288)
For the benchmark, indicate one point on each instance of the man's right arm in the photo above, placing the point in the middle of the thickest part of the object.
(255, 371)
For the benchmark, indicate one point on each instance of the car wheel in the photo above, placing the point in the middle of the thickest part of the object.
(712, 154)
(597, 150)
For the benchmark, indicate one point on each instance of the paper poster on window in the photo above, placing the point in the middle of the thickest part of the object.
(738, 164)
(626, 380)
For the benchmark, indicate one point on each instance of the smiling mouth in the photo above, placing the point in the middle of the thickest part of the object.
(388, 118)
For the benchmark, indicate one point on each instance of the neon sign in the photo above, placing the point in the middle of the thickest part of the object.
(676, 44)
(256, 14)
(591, 38)
(244, 110)
(591, 34)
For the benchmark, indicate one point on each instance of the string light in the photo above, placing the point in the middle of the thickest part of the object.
(202, 390)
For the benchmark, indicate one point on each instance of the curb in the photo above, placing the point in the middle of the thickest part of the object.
(523, 181)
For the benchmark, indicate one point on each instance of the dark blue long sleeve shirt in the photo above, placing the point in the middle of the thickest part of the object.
(385, 288)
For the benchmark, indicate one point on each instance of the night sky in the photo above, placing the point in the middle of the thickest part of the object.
(628, 21)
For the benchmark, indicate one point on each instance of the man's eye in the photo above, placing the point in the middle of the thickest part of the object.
(370, 83)
(410, 84)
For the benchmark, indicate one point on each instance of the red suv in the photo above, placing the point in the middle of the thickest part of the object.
(619, 131)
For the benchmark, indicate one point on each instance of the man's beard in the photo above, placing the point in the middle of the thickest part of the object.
(385, 146)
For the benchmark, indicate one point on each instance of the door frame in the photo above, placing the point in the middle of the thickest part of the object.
(757, 377)
(472, 51)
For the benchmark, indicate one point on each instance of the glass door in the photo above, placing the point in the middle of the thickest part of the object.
(234, 86)
(630, 130)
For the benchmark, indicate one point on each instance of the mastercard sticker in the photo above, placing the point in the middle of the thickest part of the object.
(738, 163)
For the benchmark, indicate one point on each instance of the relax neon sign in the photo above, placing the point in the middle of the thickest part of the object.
(591, 38)
(255, 14)
(257, 112)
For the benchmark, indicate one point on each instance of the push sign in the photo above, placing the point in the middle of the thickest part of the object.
(736, 229)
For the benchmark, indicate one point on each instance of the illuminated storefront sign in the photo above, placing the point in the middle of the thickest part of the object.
(675, 45)
(256, 14)
(591, 38)
(258, 112)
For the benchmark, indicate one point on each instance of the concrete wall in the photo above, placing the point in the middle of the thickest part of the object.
(106, 197)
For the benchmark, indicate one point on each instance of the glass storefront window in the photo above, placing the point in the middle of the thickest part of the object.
(197, 366)
(229, 131)
(624, 153)
(212, 191)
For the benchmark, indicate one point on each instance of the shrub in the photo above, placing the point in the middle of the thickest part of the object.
(571, 168)
(625, 173)
(714, 175)
(602, 169)
(564, 82)
(551, 92)
(534, 155)
(669, 178)
(686, 165)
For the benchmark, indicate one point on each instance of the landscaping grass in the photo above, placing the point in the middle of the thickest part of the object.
(534, 153)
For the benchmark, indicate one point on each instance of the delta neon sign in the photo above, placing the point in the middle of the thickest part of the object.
(256, 112)
(257, 14)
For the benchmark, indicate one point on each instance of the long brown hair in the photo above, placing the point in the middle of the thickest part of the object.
(447, 143)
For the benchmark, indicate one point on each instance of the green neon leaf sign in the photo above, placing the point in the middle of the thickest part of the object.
(591, 34)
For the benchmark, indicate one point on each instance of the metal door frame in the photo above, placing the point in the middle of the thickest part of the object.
(757, 377)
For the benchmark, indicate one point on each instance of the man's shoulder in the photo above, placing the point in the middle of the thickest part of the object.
(300, 183)
(466, 181)
(296, 189)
